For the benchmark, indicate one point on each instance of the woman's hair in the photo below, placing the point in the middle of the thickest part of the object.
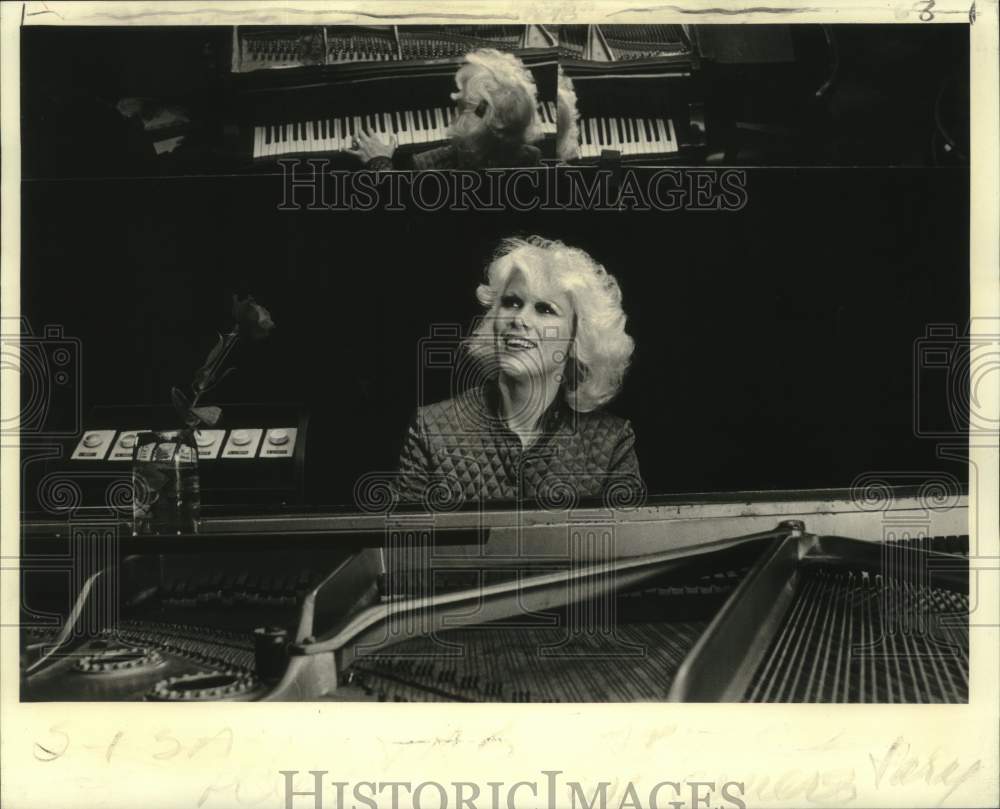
(568, 137)
(601, 349)
(497, 102)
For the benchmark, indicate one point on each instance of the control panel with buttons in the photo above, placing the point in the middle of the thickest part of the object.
(279, 443)
(255, 455)
(209, 443)
(124, 446)
(245, 443)
(242, 443)
(94, 445)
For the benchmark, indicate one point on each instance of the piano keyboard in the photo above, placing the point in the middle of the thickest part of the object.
(411, 128)
(630, 136)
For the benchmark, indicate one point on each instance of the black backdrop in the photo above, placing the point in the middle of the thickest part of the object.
(775, 344)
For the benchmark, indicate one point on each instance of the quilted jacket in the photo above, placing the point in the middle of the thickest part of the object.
(461, 450)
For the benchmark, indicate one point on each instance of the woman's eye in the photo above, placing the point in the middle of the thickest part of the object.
(545, 309)
(510, 302)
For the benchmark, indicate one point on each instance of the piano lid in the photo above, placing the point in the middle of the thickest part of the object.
(677, 522)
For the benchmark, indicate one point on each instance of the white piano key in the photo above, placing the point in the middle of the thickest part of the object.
(591, 125)
(399, 126)
(332, 141)
(661, 136)
(628, 137)
(649, 131)
(329, 144)
(425, 119)
(419, 129)
(639, 128)
(641, 144)
(667, 143)
(638, 136)
(409, 137)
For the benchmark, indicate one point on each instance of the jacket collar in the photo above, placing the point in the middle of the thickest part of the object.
(557, 413)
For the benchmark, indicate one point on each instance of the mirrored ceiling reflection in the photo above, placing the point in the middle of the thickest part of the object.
(237, 99)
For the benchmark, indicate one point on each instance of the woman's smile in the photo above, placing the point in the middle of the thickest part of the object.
(534, 323)
(517, 343)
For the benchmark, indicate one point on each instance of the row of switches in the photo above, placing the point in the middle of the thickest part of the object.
(243, 442)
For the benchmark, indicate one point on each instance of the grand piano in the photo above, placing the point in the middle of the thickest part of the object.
(690, 94)
(298, 91)
(797, 596)
(639, 95)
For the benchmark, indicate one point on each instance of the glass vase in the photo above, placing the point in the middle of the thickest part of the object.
(165, 485)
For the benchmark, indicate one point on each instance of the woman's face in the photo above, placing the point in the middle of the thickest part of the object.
(533, 328)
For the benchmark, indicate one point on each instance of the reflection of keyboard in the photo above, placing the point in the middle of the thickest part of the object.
(630, 136)
(412, 127)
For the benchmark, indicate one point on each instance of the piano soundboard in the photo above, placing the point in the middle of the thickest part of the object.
(629, 42)
(422, 127)
(624, 43)
(264, 48)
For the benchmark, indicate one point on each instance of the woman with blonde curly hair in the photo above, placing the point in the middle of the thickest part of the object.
(567, 116)
(496, 124)
(549, 352)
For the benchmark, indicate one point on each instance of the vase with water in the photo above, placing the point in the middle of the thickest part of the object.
(165, 484)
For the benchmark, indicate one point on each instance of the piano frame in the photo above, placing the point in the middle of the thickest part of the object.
(343, 613)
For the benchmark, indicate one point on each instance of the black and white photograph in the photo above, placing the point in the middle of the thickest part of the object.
(510, 362)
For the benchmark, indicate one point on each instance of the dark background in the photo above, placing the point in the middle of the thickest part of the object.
(775, 345)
